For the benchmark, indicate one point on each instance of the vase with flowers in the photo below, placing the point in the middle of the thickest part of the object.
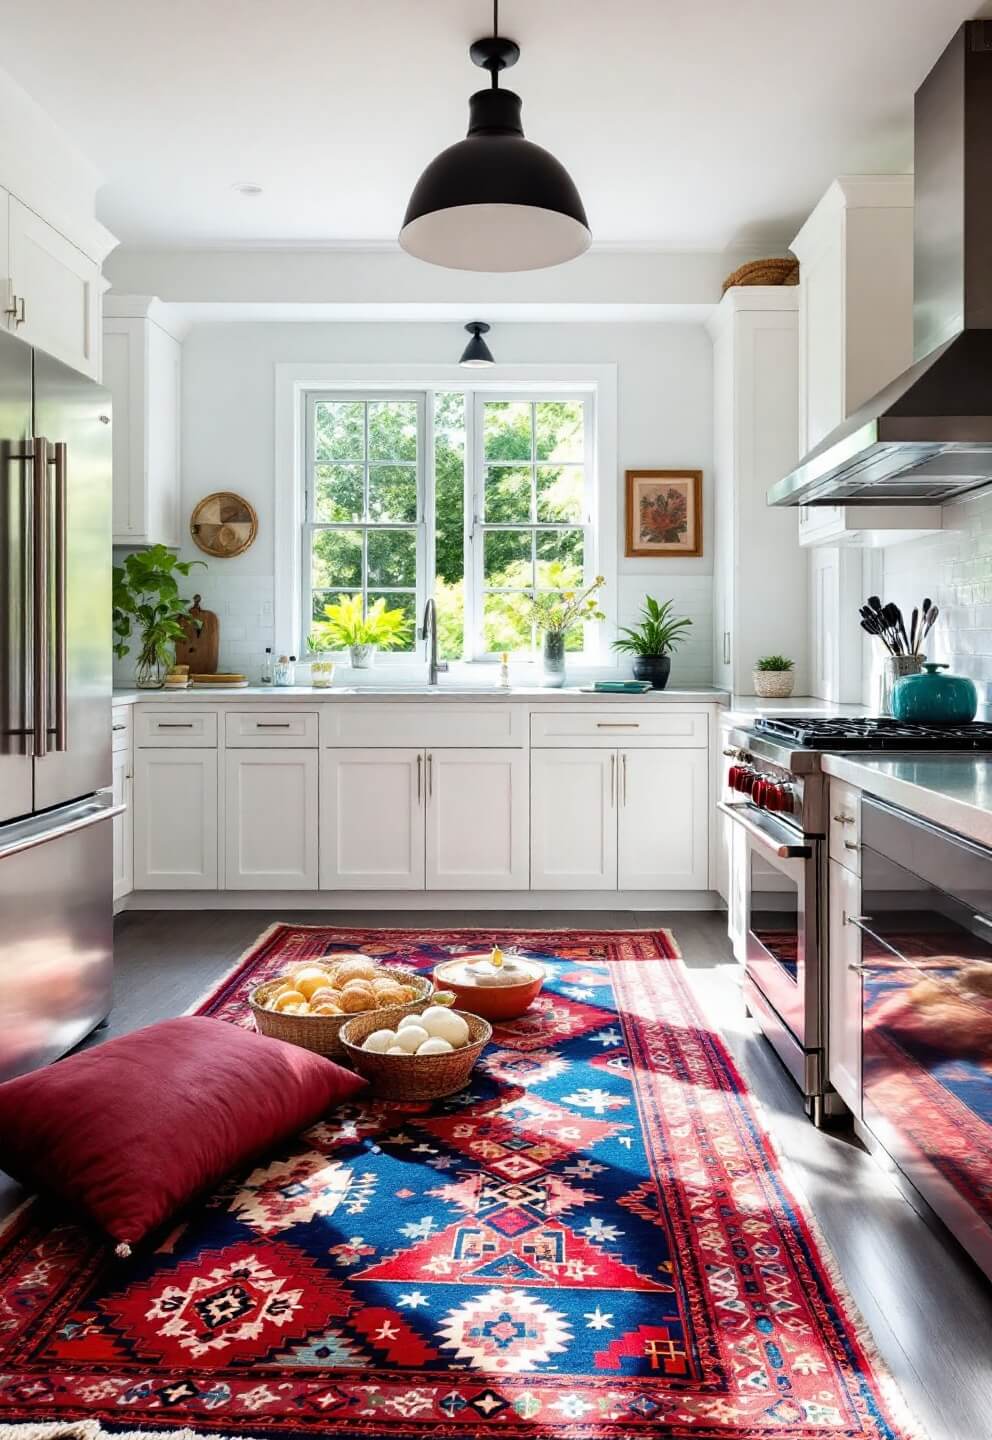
(555, 613)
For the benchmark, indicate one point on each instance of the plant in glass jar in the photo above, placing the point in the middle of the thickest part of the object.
(555, 614)
(652, 641)
(146, 599)
(348, 627)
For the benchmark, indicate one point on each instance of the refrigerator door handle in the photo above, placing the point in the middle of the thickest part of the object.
(39, 593)
(60, 459)
(40, 829)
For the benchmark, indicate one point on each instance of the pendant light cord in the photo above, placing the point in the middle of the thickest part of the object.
(495, 37)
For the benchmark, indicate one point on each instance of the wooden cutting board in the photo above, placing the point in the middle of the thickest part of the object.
(201, 647)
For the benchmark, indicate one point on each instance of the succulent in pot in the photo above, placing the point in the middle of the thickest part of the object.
(652, 641)
(349, 627)
(146, 598)
(773, 677)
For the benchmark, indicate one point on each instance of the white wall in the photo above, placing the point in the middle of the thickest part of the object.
(665, 421)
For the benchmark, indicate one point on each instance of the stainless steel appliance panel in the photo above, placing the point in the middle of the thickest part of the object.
(16, 771)
(73, 416)
(56, 877)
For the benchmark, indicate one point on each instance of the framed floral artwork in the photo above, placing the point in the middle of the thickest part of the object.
(664, 512)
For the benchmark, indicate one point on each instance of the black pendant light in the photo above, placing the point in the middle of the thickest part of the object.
(477, 353)
(495, 201)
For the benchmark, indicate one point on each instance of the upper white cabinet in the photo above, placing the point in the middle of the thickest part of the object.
(760, 574)
(142, 369)
(54, 290)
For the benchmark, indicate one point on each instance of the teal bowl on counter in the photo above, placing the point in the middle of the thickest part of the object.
(935, 699)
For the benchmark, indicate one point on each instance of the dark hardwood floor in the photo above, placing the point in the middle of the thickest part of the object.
(927, 1306)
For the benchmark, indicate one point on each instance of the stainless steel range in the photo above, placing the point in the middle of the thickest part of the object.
(777, 795)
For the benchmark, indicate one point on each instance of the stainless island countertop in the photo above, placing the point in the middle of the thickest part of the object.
(953, 790)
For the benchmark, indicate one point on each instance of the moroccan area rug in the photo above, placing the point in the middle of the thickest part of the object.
(594, 1241)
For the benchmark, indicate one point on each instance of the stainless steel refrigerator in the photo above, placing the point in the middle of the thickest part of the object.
(56, 858)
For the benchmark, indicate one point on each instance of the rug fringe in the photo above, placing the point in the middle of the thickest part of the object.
(93, 1430)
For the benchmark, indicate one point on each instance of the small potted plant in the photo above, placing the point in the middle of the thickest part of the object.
(146, 598)
(555, 615)
(348, 627)
(773, 677)
(652, 641)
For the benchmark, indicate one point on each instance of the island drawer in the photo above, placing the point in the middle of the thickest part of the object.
(845, 825)
(171, 726)
(252, 729)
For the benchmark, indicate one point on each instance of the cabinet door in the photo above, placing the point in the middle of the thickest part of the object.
(270, 827)
(663, 821)
(60, 288)
(123, 825)
(737, 891)
(175, 819)
(844, 986)
(124, 377)
(372, 819)
(477, 832)
(573, 819)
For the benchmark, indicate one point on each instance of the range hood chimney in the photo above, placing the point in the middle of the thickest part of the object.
(927, 437)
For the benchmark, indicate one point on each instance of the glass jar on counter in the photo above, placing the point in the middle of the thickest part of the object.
(284, 671)
(321, 673)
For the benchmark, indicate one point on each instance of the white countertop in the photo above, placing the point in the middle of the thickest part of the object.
(744, 708)
(272, 694)
(951, 790)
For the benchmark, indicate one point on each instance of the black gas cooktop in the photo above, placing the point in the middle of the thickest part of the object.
(857, 733)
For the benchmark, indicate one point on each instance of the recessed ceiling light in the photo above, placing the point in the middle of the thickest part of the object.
(248, 188)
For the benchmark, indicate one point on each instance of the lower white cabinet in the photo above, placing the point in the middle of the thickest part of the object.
(175, 819)
(619, 819)
(737, 863)
(845, 986)
(270, 819)
(477, 831)
(573, 823)
(123, 792)
(372, 834)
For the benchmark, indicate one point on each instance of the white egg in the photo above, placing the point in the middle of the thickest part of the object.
(435, 1045)
(408, 1020)
(379, 1041)
(397, 1050)
(440, 1022)
(410, 1037)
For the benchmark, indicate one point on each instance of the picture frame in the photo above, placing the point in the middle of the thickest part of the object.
(664, 513)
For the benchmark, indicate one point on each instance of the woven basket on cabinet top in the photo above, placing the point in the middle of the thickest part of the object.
(764, 272)
(320, 1033)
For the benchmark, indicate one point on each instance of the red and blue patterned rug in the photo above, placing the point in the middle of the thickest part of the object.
(594, 1242)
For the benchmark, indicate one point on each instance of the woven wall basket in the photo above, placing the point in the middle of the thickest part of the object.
(764, 272)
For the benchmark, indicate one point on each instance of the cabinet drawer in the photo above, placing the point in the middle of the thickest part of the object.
(121, 728)
(432, 722)
(172, 726)
(295, 729)
(845, 825)
(661, 728)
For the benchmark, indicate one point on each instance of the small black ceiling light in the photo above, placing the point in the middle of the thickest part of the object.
(477, 353)
(495, 201)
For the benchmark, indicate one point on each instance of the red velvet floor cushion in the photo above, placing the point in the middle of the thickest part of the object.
(132, 1129)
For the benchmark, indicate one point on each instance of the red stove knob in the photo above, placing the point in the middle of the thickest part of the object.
(773, 797)
(787, 799)
(759, 792)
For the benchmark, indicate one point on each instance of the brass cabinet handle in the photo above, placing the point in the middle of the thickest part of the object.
(623, 773)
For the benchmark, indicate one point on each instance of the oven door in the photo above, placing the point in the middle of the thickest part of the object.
(782, 936)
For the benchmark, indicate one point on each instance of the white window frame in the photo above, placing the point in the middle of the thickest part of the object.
(310, 525)
(294, 379)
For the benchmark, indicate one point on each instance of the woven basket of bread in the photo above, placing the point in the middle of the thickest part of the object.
(413, 1077)
(764, 272)
(320, 1032)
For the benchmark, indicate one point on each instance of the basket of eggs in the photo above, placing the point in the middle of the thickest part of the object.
(309, 1005)
(416, 1054)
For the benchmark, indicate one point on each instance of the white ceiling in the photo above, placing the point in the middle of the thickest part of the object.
(685, 125)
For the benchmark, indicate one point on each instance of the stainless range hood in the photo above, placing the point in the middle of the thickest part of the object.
(927, 437)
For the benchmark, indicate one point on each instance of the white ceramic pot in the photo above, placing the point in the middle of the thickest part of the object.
(773, 684)
(362, 657)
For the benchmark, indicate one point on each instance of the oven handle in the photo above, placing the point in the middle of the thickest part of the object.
(769, 834)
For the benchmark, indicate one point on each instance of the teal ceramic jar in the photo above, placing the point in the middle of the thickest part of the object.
(935, 699)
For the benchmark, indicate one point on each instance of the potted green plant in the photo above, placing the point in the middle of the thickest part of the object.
(348, 627)
(146, 599)
(652, 641)
(555, 614)
(773, 677)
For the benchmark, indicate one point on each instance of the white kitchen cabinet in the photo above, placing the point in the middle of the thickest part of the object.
(123, 792)
(662, 819)
(759, 571)
(573, 819)
(142, 369)
(270, 824)
(844, 986)
(372, 834)
(175, 819)
(477, 820)
(55, 291)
